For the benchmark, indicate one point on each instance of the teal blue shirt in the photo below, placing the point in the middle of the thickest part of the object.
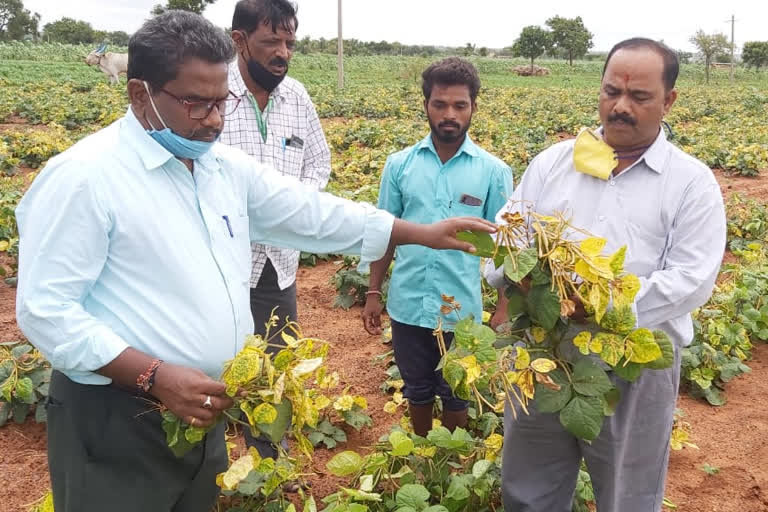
(418, 187)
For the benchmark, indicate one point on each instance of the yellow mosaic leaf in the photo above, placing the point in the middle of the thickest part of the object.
(543, 365)
(584, 270)
(627, 288)
(593, 245)
(522, 359)
(425, 451)
(344, 403)
(245, 367)
(525, 383)
(582, 341)
(322, 401)
(493, 445)
(390, 407)
(289, 340)
(512, 377)
(264, 413)
(472, 369)
(486, 317)
(307, 366)
(361, 402)
(237, 472)
(539, 334)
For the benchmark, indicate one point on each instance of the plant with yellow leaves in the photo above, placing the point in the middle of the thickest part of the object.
(271, 390)
(546, 356)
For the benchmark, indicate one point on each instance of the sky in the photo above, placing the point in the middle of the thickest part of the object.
(489, 23)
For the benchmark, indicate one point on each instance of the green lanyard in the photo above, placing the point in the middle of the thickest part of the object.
(261, 119)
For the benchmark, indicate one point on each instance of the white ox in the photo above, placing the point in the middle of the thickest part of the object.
(112, 64)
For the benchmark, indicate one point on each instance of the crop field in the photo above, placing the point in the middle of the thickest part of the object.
(349, 440)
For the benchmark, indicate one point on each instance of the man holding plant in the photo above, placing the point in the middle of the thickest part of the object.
(629, 185)
(134, 265)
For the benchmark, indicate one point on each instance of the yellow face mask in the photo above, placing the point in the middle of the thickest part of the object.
(591, 155)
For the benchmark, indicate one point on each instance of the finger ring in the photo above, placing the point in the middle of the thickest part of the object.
(192, 420)
(207, 404)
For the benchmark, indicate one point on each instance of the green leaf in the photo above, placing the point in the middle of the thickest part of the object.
(621, 320)
(589, 379)
(345, 463)
(516, 269)
(543, 306)
(412, 495)
(548, 400)
(714, 396)
(5, 412)
(435, 508)
(627, 371)
(516, 305)
(276, 430)
(483, 242)
(667, 358)
(583, 417)
(612, 398)
(453, 373)
(17, 352)
(457, 489)
(539, 276)
(20, 412)
(402, 445)
(194, 434)
(642, 347)
(25, 390)
(357, 419)
(481, 467)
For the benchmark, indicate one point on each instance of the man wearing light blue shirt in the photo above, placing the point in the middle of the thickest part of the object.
(443, 176)
(134, 268)
(666, 207)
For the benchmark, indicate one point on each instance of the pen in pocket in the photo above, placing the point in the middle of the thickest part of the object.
(229, 226)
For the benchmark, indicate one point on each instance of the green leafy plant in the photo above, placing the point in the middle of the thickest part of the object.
(444, 472)
(351, 285)
(24, 379)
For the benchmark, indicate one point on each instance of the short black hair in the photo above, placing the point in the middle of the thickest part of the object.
(158, 48)
(451, 71)
(671, 62)
(249, 14)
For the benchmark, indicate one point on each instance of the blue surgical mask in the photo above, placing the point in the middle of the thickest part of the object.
(176, 145)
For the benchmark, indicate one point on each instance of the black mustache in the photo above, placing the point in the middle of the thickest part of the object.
(278, 61)
(443, 125)
(621, 117)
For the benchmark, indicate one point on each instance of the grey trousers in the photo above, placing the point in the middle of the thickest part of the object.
(264, 298)
(627, 462)
(107, 452)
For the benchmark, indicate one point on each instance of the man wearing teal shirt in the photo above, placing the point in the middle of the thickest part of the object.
(445, 175)
(134, 266)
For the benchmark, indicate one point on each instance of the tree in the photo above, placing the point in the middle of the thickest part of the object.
(570, 36)
(68, 30)
(196, 6)
(710, 45)
(16, 22)
(483, 51)
(469, 49)
(755, 54)
(532, 43)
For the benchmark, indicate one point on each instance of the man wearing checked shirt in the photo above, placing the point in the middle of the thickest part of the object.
(277, 124)
(134, 266)
(445, 175)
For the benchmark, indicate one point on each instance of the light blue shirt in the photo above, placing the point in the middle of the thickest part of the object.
(666, 208)
(121, 246)
(418, 187)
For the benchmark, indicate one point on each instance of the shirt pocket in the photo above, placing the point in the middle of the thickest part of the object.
(645, 249)
(472, 206)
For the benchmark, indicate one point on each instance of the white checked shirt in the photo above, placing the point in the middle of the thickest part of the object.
(292, 116)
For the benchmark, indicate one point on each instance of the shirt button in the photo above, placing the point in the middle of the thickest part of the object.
(601, 218)
(612, 182)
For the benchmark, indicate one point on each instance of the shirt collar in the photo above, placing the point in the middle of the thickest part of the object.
(237, 84)
(656, 155)
(468, 146)
(152, 154)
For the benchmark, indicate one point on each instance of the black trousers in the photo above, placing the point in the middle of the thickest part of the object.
(417, 355)
(264, 298)
(106, 452)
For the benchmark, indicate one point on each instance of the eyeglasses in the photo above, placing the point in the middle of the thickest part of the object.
(202, 109)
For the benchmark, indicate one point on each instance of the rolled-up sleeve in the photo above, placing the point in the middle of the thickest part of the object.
(692, 261)
(63, 245)
(285, 213)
